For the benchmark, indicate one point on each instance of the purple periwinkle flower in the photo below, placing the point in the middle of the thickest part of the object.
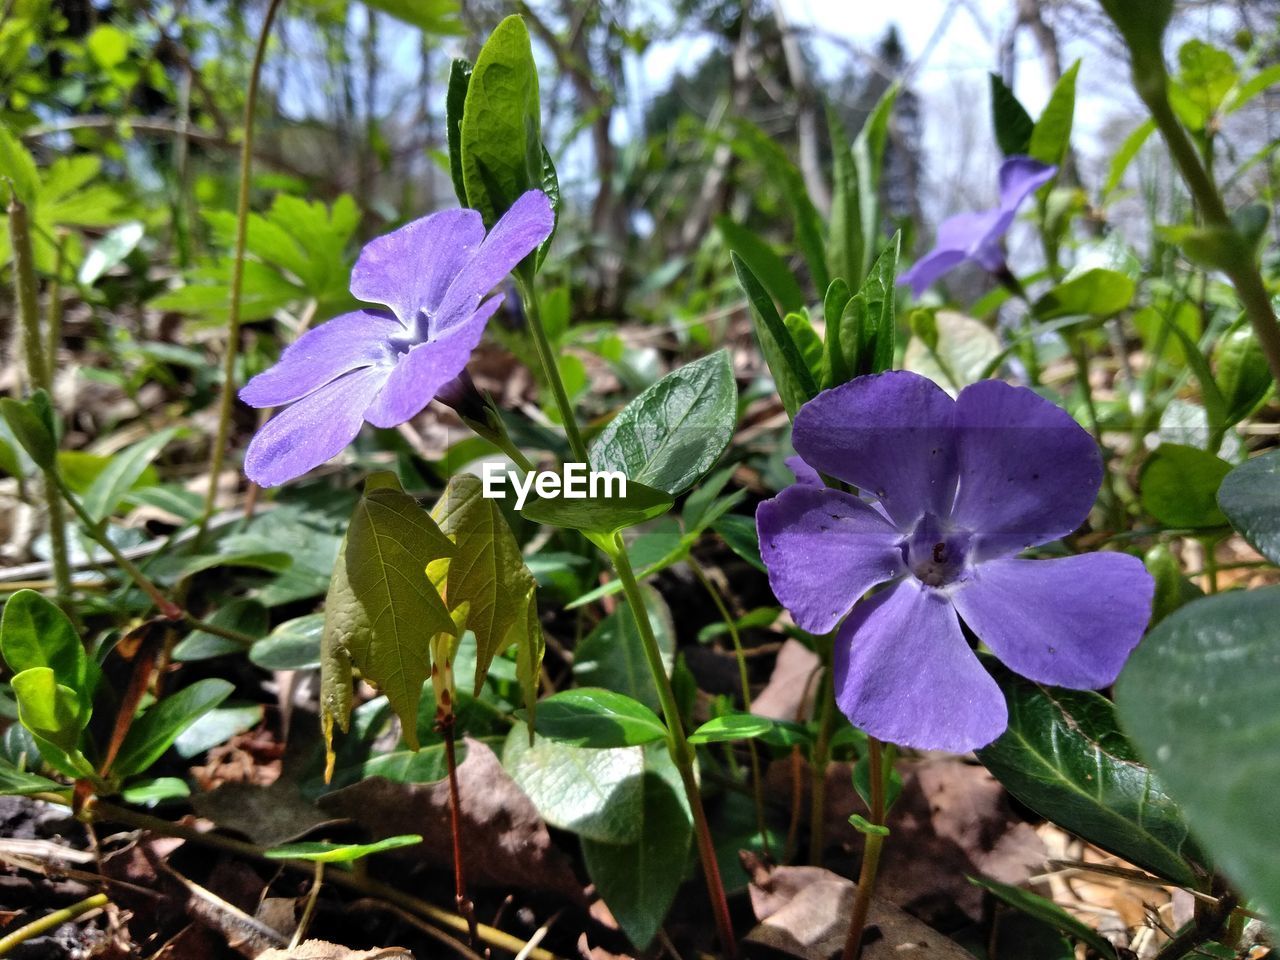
(385, 365)
(977, 235)
(959, 488)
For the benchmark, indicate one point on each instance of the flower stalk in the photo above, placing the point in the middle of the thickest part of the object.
(870, 853)
(39, 376)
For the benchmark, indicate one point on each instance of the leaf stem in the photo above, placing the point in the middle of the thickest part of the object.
(218, 453)
(51, 921)
(870, 854)
(550, 368)
(678, 744)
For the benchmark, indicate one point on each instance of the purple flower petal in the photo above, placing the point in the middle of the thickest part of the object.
(824, 549)
(803, 472)
(931, 268)
(426, 368)
(1020, 177)
(904, 674)
(410, 269)
(312, 430)
(320, 355)
(517, 234)
(966, 231)
(1070, 621)
(889, 434)
(1028, 472)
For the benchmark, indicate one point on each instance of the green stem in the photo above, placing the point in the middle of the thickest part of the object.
(51, 921)
(40, 377)
(678, 744)
(818, 767)
(550, 368)
(744, 679)
(1243, 272)
(217, 455)
(96, 529)
(1115, 509)
(870, 855)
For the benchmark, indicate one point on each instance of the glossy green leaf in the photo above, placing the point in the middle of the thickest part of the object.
(1095, 293)
(767, 265)
(15, 782)
(381, 610)
(122, 472)
(154, 732)
(1250, 498)
(1179, 486)
(1013, 125)
(1052, 133)
(1123, 157)
(596, 794)
(740, 534)
(487, 574)
(785, 361)
(865, 336)
(1243, 374)
(675, 431)
(1064, 756)
(293, 645)
(321, 852)
(49, 709)
(30, 430)
(601, 515)
(731, 728)
(34, 632)
(593, 717)
(1046, 911)
(846, 241)
(1201, 699)
(612, 654)
(500, 140)
(639, 881)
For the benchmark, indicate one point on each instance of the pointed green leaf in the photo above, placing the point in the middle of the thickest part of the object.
(122, 472)
(1013, 125)
(15, 782)
(601, 516)
(1048, 912)
(154, 732)
(1052, 134)
(786, 363)
(845, 241)
(459, 79)
(594, 717)
(343, 853)
(764, 262)
(30, 430)
(675, 431)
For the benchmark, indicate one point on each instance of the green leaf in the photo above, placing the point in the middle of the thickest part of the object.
(639, 881)
(430, 16)
(15, 782)
(49, 709)
(674, 432)
(18, 167)
(34, 632)
(791, 373)
(1047, 911)
(455, 100)
(1124, 156)
(1096, 293)
(612, 655)
(321, 852)
(1245, 92)
(531, 646)
(1013, 125)
(146, 793)
(381, 610)
(740, 534)
(487, 574)
(593, 717)
(293, 645)
(601, 516)
(1250, 498)
(1201, 699)
(596, 794)
(241, 614)
(122, 472)
(1205, 76)
(108, 45)
(765, 264)
(1179, 486)
(1172, 588)
(1243, 374)
(962, 352)
(846, 242)
(1064, 756)
(110, 251)
(731, 728)
(154, 732)
(500, 140)
(30, 430)
(1052, 133)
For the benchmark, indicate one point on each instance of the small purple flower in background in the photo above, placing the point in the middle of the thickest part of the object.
(977, 235)
(960, 487)
(384, 366)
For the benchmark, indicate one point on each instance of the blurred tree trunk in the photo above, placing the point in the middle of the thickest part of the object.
(806, 113)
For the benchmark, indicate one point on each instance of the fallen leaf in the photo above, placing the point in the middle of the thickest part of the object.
(792, 687)
(323, 950)
(505, 842)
